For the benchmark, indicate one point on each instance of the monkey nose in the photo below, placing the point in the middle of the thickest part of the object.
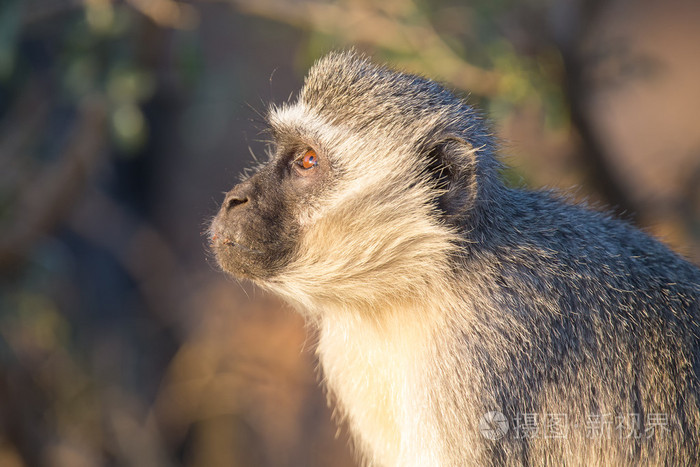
(236, 197)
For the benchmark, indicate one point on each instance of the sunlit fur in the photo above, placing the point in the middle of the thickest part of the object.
(513, 301)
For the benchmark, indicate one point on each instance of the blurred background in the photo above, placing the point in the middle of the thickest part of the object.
(122, 122)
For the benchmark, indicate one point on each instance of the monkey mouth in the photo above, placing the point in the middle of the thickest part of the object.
(217, 240)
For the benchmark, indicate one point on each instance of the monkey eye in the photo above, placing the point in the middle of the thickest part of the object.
(308, 160)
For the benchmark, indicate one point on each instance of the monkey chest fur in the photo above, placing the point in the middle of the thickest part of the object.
(377, 375)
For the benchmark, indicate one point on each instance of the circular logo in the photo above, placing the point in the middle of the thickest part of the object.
(493, 425)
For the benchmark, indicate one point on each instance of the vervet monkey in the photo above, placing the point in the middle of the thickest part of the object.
(460, 321)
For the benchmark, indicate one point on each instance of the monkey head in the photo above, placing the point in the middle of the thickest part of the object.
(374, 179)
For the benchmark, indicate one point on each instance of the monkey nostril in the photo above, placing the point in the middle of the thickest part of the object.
(238, 195)
(233, 201)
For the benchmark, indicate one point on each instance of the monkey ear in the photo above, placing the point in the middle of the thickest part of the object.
(452, 169)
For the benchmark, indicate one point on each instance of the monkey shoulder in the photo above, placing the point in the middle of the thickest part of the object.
(553, 263)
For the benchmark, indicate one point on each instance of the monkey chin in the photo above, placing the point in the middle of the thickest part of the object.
(242, 261)
(234, 258)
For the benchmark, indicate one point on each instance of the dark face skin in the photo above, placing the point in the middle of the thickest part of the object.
(256, 231)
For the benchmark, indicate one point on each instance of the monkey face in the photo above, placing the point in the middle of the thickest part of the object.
(256, 231)
(373, 176)
(332, 218)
